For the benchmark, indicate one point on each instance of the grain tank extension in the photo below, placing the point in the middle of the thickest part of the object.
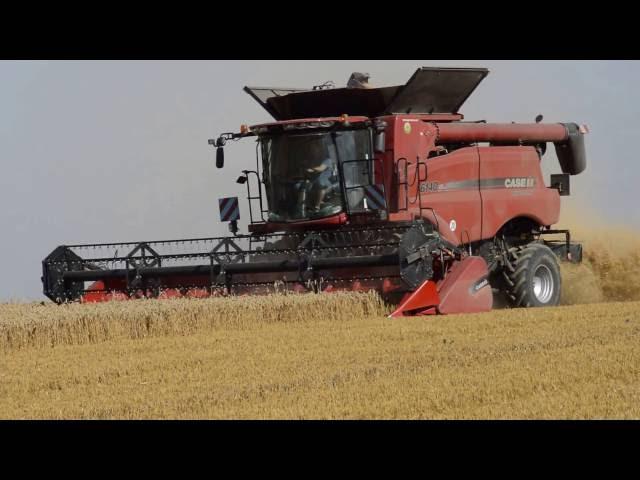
(366, 188)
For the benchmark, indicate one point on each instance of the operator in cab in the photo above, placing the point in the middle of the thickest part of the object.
(321, 172)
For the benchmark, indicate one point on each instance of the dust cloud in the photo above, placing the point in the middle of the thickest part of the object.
(610, 270)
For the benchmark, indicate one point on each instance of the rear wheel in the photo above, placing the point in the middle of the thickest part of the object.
(533, 278)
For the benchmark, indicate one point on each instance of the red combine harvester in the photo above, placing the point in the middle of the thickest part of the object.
(384, 189)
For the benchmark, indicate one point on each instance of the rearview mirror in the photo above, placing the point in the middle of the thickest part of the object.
(379, 142)
(219, 157)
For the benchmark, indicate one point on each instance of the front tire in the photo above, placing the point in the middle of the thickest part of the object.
(533, 278)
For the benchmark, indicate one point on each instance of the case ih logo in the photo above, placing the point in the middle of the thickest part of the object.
(520, 182)
(483, 184)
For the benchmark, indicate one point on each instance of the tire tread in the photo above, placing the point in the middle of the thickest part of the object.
(516, 287)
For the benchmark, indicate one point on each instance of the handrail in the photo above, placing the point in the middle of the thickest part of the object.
(405, 183)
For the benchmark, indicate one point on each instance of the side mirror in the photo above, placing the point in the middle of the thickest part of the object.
(379, 142)
(219, 157)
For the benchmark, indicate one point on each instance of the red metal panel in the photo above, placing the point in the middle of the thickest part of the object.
(506, 196)
(423, 301)
(465, 289)
(410, 146)
(452, 191)
(457, 207)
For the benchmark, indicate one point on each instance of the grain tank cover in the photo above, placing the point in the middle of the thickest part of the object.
(429, 90)
(437, 90)
(263, 94)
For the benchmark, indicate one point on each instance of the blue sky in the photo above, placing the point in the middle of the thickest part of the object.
(98, 151)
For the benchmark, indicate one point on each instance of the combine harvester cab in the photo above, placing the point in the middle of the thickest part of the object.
(357, 189)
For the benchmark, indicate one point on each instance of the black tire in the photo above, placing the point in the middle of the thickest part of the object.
(533, 278)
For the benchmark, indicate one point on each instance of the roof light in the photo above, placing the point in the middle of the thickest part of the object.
(584, 129)
(244, 129)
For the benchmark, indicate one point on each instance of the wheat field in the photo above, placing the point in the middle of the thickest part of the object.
(316, 356)
(333, 356)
